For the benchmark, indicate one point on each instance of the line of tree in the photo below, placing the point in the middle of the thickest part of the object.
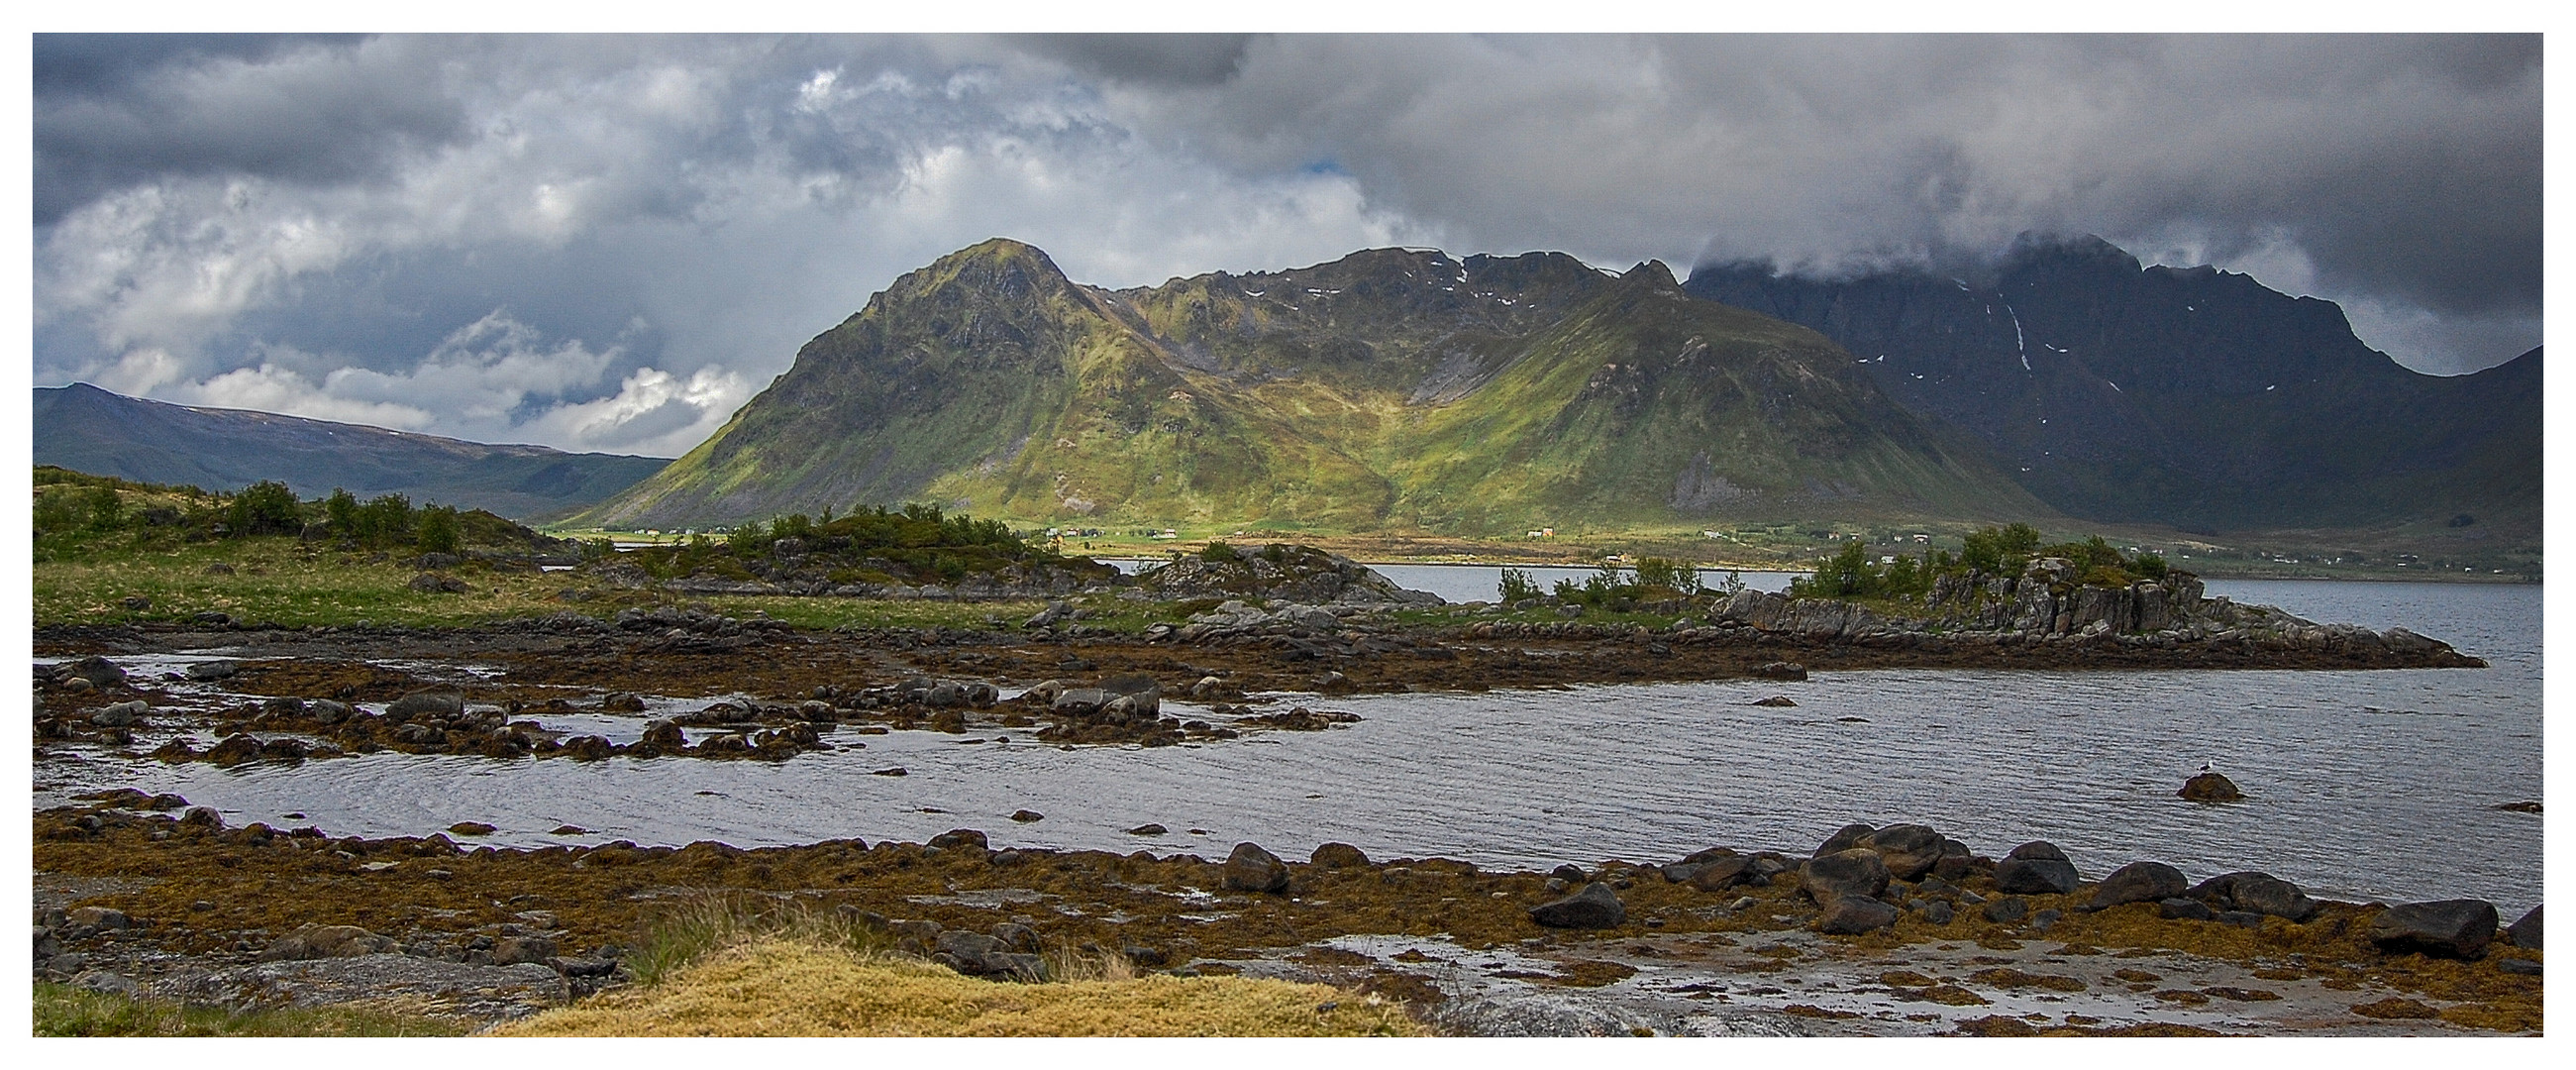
(1987, 552)
(73, 506)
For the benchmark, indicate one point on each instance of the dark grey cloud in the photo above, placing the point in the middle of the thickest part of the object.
(114, 110)
(610, 241)
(1159, 59)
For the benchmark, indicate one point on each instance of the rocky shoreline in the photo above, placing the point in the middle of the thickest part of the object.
(1886, 929)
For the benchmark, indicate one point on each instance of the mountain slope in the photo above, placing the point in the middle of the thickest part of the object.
(87, 429)
(2190, 397)
(1389, 388)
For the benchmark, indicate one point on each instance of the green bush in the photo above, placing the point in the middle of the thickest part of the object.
(1219, 552)
(1517, 585)
(264, 508)
(438, 533)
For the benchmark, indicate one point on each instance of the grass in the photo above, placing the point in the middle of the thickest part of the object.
(742, 964)
(64, 1011)
(789, 986)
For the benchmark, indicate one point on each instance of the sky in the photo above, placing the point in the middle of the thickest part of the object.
(611, 243)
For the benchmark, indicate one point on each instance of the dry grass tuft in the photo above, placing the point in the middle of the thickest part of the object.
(785, 986)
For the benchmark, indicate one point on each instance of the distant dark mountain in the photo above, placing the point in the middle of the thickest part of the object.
(87, 429)
(2191, 397)
(1392, 388)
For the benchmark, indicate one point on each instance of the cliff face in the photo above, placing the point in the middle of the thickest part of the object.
(2191, 397)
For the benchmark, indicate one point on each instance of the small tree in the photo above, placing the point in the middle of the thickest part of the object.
(1517, 585)
(341, 509)
(438, 530)
(265, 507)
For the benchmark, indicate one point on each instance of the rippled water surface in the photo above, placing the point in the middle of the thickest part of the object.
(2362, 784)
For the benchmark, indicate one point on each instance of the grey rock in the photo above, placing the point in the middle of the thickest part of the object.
(513, 950)
(1938, 912)
(1594, 907)
(2007, 910)
(1844, 839)
(120, 715)
(47, 944)
(2260, 893)
(1252, 869)
(2183, 909)
(114, 984)
(1852, 915)
(2450, 928)
(1339, 856)
(2138, 882)
(1722, 874)
(2035, 876)
(434, 703)
(2525, 933)
(102, 918)
(1018, 938)
(2525, 967)
(326, 711)
(2038, 849)
(99, 671)
(1856, 873)
(325, 941)
(2042, 920)
(1908, 850)
(2210, 787)
(213, 670)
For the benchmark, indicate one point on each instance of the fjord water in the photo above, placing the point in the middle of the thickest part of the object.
(2363, 785)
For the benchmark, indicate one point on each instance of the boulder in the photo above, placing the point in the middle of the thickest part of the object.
(2260, 893)
(1856, 873)
(1721, 874)
(512, 950)
(2185, 909)
(2525, 933)
(326, 711)
(2210, 787)
(99, 671)
(1339, 856)
(1146, 693)
(1026, 816)
(2138, 882)
(2035, 876)
(1018, 938)
(1252, 869)
(213, 670)
(1844, 839)
(2007, 910)
(120, 715)
(1853, 915)
(2449, 928)
(958, 838)
(433, 703)
(326, 942)
(1081, 700)
(1909, 850)
(1781, 670)
(1594, 907)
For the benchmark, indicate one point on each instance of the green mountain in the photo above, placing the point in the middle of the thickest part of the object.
(86, 429)
(1391, 388)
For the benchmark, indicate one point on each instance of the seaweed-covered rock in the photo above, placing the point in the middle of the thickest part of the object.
(2449, 928)
(1594, 907)
(1856, 873)
(1340, 856)
(1252, 869)
(2210, 787)
(1853, 915)
(2138, 882)
(2260, 893)
(2036, 868)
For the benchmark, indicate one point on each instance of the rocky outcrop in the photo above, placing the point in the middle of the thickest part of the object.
(2210, 787)
(1594, 907)
(2049, 603)
(1300, 574)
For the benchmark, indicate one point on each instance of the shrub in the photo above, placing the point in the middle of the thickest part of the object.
(1219, 552)
(1516, 586)
(438, 533)
(264, 508)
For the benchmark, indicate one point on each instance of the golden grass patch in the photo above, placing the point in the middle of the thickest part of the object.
(783, 987)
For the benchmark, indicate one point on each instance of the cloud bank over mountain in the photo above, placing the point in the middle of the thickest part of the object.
(610, 243)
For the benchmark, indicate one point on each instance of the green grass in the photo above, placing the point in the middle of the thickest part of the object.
(65, 1011)
(276, 580)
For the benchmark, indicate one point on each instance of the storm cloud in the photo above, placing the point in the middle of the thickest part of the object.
(612, 242)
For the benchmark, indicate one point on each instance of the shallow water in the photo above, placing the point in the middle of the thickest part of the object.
(2362, 784)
